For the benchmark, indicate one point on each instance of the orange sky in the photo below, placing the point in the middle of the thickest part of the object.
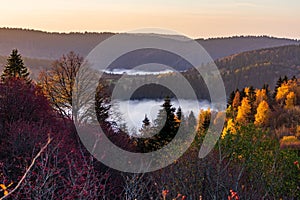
(194, 18)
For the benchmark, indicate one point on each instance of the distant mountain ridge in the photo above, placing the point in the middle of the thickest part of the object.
(46, 45)
(242, 60)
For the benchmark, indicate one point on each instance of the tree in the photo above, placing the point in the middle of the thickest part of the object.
(229, 128)
(26, 120)
(230, 99)
(261, 95)
(290, 100)
(58, 81)
(68, 90)
(278, 84)
(164, 129)
(244, 111)
(236, 101)
(284, 90)
(15, 68)
(203, 121)
(179, 113)
(262, 115)
(191, 122)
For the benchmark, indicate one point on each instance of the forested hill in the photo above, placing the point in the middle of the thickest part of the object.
(222, 47)
(260, 66)
(45, 45)
(253, 68)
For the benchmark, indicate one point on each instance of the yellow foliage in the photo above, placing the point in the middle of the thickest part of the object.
(203, 120)
(236, 101)
(247, 91)
(244, 111)
(262, 115)
(230, 128)
(4, 188)
(261, 95)
(290, 100)
(298, 132)
(290, 138)
(284, 90)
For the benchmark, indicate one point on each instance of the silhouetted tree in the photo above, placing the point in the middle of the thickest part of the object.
(15, 68)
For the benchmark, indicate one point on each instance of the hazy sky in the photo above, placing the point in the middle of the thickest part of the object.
(194, 18)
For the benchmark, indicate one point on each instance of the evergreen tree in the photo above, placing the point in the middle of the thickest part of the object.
(191, 121)
(146, 122)
(15, 68)
(188, 123)
(231, 98)
(278, 84)
(285, 79)
(179, 113)
(165, 127)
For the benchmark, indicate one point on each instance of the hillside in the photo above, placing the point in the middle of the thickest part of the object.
(252, 68)
(45, 45)
(260, 66)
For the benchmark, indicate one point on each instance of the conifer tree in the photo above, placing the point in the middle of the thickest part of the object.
(15, 68)
(278, 84)
(231, 98)
(191, 121)
(165, 128)
(179, 113)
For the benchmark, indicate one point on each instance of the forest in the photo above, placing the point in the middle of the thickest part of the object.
(42, 156)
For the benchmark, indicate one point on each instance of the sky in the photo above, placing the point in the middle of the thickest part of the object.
(193, 18)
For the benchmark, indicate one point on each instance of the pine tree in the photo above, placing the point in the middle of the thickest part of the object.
(15, 68)
(165, 128)
(179, 113)
(278, 84)
(191, 121)
(231, 98)
(146, 122)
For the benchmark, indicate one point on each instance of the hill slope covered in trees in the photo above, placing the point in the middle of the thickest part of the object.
(38, 44)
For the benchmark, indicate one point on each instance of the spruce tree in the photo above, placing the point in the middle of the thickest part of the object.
(146, 122)
(15, 68)
(179, 113)
(278, 84)
(165, 128)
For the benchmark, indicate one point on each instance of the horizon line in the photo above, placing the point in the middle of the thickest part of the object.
(116, 32)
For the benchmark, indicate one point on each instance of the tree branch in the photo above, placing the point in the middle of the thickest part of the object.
(29, 168)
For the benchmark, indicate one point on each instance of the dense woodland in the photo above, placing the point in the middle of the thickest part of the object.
(42, 157)
(253, 68)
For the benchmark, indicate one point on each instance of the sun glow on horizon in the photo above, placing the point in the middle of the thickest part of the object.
(196, 19)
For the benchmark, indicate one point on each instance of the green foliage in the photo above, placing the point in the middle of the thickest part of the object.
(163, 130)
(15, 68)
